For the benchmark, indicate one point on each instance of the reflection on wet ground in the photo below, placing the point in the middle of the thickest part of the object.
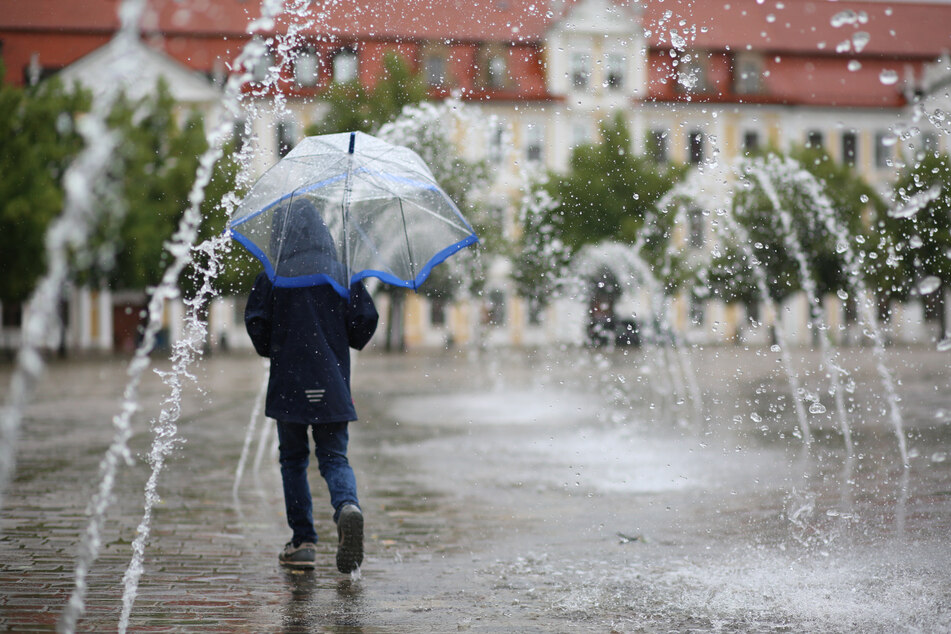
(562, 490)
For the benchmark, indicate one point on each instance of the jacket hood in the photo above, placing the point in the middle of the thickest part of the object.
(301, 243)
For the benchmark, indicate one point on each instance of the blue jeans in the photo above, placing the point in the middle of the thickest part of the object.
(330, 447)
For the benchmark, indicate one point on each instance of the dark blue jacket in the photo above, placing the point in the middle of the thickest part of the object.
(307, 333)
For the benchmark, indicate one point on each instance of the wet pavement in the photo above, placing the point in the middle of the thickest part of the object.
(531, 491)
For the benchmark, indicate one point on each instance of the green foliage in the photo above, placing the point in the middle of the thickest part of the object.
(917, 244)
(609, 192)
(781, 202)
(540, 257)
(154, 165)
(140, 199)
(39, 140)
(351, 107)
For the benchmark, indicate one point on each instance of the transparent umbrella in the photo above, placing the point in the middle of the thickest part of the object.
(342, 207)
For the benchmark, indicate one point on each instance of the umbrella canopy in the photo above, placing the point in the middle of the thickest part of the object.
(342, 207)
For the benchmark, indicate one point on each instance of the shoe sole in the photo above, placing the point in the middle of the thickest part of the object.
(350, 549)
(303, 565)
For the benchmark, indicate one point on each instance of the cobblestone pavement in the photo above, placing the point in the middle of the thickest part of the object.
(503, 492)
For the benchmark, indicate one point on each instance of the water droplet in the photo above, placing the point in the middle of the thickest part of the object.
(888, 77)
(860, 40)
(756, 418)
(842, 294)
(843, 17)
(939, 456)
(854, 65)
(944, 345)
(929, 285)
(817, 408)
(915, 242)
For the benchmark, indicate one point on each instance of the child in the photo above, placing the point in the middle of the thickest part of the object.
(306, 331)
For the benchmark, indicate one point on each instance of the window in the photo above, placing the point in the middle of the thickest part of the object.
(497, 143)
(695, 147)
(286, 138)
(239, 134)
(534, 138)
(493, 66)
(434, 65)
(750, 142)
(883, 149)
(263, 66)
(614, 71)
(814, 139)
(695, 222)
(752, 313)
(437, 311)
(692, 72)
(305, 67)
(657, 146)
(696, 310)
(497, 71)
(579, 134)
(748, 74)
(580, 70)
(495, 310)
(346, 66)
(850, 144)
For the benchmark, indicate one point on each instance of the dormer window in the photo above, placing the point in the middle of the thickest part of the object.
(435, 68)
(305, 67)
(498, 71)
(692, 72)
(434, 63)
(263, 66)
(493, 71)
(748, 74)
(346, 66)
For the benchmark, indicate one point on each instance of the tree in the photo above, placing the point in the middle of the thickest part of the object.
(39, 141)
(541, 257)
(783, 208)
(608, 191)
(916, 234)
(351, 107)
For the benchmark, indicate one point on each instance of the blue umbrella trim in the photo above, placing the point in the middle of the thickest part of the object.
(321, 278)
(414, 284)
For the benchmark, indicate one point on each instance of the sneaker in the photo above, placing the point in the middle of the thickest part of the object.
(350, 534)
(303, 556)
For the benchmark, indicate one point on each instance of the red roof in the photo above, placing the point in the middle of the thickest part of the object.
(903, 29)
(495, 20)
(910, 29)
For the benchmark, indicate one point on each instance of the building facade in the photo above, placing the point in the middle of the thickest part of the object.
(695, 82)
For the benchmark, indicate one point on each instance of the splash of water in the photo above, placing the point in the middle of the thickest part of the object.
(829, 357)
(189, 348)
(867, 317)
(249, 434)
(70, 232)
(186, 351)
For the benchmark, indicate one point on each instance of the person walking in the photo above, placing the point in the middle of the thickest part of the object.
(307, 331)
